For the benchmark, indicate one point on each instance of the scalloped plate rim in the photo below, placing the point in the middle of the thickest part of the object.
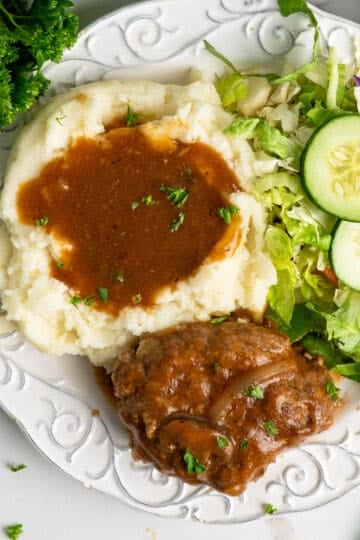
(92, 26)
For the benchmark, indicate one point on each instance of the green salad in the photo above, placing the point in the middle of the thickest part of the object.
(304, 127)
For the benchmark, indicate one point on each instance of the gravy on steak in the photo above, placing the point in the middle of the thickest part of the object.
(215, 404)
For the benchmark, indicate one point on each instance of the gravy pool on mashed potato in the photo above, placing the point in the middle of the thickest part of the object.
(42, 303)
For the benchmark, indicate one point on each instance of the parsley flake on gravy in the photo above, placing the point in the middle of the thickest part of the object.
(137, 298)
(13, 531)
(187, 169)
(216, 366)
(177, 196)
(270, 428)
(192, 464)
(103, 294)
(254, 391)
(148, 200)
(41, 222)
(134, 205)
(222, 442)
(118, 277)
(177, 222)
(227, 212)
(243, 444)
(131, 117)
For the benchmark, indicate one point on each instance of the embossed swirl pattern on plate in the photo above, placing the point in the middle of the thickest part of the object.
(62, 418)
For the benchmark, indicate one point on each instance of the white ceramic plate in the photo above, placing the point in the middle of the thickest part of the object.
(53, 399)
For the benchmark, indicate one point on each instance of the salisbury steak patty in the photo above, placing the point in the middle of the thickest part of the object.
(216, 403)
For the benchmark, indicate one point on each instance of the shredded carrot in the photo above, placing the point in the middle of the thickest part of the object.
(330, 276)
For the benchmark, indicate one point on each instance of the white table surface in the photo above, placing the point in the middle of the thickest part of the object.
(52, 506)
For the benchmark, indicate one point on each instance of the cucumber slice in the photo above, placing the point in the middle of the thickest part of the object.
(330, 167)
(345, 253)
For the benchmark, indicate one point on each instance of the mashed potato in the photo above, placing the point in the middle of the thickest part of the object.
(40, 304)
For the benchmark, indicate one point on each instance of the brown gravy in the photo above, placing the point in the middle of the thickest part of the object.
(104, 199)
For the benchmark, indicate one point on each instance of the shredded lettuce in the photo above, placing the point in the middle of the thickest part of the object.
(231, 89)
(270, 138)
(297, 239)
(281, 296)
(343, 325)
(336, 81)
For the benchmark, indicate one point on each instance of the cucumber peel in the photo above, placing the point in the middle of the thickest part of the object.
(330, 167)
(345, 253)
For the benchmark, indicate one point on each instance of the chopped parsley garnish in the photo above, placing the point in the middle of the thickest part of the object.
(216, 366)
(118, 276)
(222, 442)
(16, 468)
(187, 169)
(243, 444)
(177, 196)
(177, 222)
(134, 205)
(13, 531)
(254, 391)
(75, 300)
(131, 117)
(332, 390)
(59, 119)
(41, 222)
(148, 200)
(227, 212)
(270, 508)
(137, 298)
(59, 264)
(89, 300)
(219, 320)
(192, 464)
(270, 428)
(103, 294)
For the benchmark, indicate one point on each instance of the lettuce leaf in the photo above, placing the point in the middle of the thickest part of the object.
(343, 324)
(303, 321)
(273, 142)
(351, 371)
(245, 128)
(318, 114)
(270, 138)
(231, 89)
(281, 296)
(318, 346)
(289, 7)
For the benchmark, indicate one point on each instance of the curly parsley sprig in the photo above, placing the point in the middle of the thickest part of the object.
(30, 35)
